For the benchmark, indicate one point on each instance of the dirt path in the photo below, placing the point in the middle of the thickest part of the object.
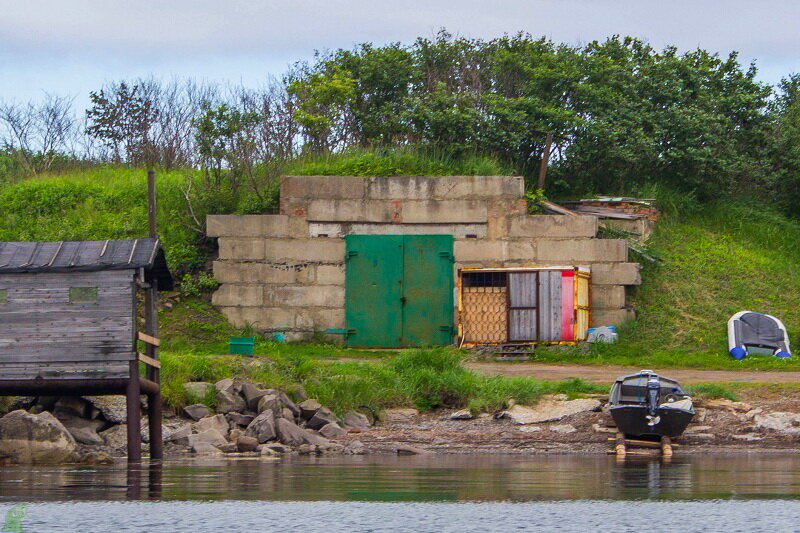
(607, 374)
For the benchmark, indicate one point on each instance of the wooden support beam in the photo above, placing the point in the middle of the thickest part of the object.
(666, 446)
(153, 341)
(642, 443)
(134, 415)
(146, 359)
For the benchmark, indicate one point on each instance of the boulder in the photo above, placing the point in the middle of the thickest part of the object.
(218, 422)
(97, 457)
(178, 435)
(71, 406)
(36, 439)
(287, 414)
(354, 419)
(270, 402)
(268, 453)
(262, 428)
(116, 437)
(411, 450)
(332, 430)
(399, 415)
(196, 411)
(226, 385)
(238, 419)
(252, 395)
(204, 448)
(289, 433)
(277, 448)
(82, 430)
(724, 403)
(197, 390)
(287, 403)
(355, 448)
(209, 436)
(321, 418)
(247, 444)
(549, 410)
(228, 447)
(309, 408)
(563, 428)
(463, 414)
(113, 408)
(228, 402)
(782, 422)
(297, 393)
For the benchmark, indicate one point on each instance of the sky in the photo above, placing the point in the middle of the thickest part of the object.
(71, 48)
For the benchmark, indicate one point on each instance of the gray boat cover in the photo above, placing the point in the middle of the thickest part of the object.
(758, 329)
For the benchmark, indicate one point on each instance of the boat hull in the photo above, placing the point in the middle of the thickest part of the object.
(632, 420)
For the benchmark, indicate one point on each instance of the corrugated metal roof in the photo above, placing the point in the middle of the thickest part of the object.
(87, 256)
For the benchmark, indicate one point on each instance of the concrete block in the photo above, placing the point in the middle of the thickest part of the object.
(306, 274)
(330, 275)
(331, 318)
(236, 248)
(333, 210)
(457, 187)
(247, 225)
(443, 211)
(521, 250)
(608, 297)
(582, 250)
(616, 274)
(262, 318)
(319, 250)
(553, 226)
(341, 229)
(473, 250)
(235, 272)
(304, 296)
(611, 317)
(233, 295)
(335, 187)
(401, 188)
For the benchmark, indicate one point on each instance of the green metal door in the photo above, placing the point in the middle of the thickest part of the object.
(399, 290)
(428, 290)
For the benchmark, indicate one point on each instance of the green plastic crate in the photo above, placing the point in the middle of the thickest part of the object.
(242, 346)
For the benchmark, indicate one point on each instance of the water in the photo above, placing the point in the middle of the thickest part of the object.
(424, 493)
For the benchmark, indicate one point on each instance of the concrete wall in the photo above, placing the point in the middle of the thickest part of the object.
(286, 272)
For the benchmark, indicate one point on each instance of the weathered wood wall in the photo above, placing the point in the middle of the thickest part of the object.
(43, 334)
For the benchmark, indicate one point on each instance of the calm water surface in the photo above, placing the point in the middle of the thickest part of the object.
(450, 493)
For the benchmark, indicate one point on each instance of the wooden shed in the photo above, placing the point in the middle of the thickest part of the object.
(68, 322)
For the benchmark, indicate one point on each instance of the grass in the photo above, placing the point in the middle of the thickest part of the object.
(425, 379)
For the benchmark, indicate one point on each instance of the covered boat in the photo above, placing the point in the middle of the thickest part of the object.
(752, 333)
(649, 404)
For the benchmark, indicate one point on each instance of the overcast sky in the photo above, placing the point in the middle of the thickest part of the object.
(73, 47)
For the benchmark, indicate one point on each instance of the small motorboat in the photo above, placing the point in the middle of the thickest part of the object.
(752, 333)
(649, 404)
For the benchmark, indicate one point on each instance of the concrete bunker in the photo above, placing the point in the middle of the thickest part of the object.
(294, 272)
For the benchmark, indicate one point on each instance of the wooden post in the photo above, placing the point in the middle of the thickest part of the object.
(134, 408)
(620, 444)
(151, 202)
(666, 446)
(545, 160)
(154, 401)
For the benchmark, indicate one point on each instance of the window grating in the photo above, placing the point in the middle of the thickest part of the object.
(484, 279)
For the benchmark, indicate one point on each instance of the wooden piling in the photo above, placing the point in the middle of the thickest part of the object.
(620, 445)
(666, 446)
(134, 415)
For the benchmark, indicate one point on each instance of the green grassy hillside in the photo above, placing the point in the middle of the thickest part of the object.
(715, 261)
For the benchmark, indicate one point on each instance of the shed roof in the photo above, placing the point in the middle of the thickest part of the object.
(87, 256)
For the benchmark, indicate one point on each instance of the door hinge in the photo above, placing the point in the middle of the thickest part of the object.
(447, 329)
(351, 253)
(448, 255)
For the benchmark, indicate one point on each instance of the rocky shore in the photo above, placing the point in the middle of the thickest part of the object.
(250, 420)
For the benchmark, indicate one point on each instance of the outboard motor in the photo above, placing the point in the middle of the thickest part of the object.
(653, 394)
